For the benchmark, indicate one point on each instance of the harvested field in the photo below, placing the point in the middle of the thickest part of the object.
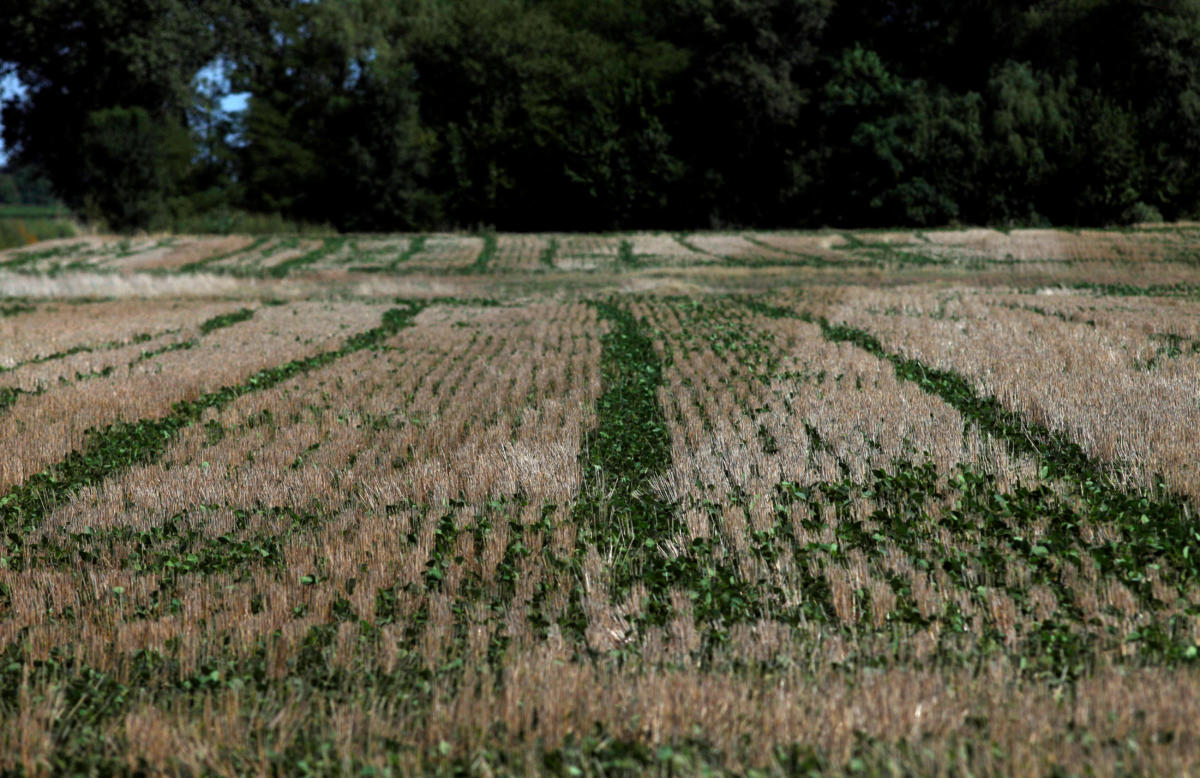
(713, 503)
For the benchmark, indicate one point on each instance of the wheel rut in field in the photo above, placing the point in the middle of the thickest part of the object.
(119, 446)
(1157, 526)
(10, 394)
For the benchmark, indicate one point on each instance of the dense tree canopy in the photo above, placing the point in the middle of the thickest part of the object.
(590, 114)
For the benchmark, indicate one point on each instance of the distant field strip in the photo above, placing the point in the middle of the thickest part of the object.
(1161, 261)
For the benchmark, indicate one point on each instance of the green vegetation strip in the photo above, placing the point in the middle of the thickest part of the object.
(226, 320)
(629, 448)
(549, 253)
(24, 258)
(9, 395)
(485, 254)
(1180, 289)
(122, 445)
(625, 256)
(15, 308)
(215, 323)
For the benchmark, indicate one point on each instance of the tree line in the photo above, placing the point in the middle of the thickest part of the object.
(606, 114)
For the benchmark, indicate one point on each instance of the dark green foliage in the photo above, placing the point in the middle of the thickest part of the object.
(109, 87)
(29, 211)
(132, 164)
(902, 151)
(1181, 289)
(625, 254)
(540, 114)
(8, 396)
(15, 307)
(333, 132)
(631, 439)
(15, 233)
(24, 187)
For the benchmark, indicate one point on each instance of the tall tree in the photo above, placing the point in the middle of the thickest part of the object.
(332, 132)
(741, 106)
(896, 151)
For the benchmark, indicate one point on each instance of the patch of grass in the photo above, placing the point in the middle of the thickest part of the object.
(627, 449)
(26, 230)
(26, 211)
(1181, 289)
(624, 454)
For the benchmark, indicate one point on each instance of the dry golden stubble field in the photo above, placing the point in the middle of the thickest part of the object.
(781, 502)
